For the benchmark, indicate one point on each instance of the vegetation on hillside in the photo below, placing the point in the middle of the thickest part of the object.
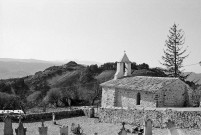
(71, 84)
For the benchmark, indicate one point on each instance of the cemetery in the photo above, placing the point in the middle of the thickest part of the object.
(129, 106)
(86, 124)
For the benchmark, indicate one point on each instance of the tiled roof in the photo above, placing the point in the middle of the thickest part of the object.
(142, 83)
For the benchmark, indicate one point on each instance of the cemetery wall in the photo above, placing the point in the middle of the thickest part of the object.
(183, 119)
(47, 115)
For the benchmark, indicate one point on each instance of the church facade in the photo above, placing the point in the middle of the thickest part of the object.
(130, 91)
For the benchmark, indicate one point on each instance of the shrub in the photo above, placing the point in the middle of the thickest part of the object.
(53, 96)
(8, 101)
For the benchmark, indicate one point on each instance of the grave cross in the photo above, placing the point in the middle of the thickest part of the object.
(20, 130)
(123, 130)
(42, 130)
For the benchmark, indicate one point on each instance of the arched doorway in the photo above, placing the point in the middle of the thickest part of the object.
(138, 99)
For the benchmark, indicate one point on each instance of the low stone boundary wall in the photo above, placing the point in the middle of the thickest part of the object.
(182, 119)
(47, 116)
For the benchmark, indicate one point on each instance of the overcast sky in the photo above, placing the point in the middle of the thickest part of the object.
(98, 30)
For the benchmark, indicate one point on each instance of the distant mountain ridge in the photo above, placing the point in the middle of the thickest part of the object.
(194, 77)
(16, 68)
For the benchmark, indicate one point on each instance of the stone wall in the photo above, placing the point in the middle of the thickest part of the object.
(108, 97)
(46, 115)
(183, 119)
(128, 98)
(174, 94)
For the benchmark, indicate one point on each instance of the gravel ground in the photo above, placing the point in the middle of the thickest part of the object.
(90, 126)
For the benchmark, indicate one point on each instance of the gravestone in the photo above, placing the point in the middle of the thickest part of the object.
(8, 130)
(91, 112)
(76, 130)
(148, 127)
(64, 130)
(42, 130)
(53, 118)
(20, 130)
(172, 129)
(123, 130)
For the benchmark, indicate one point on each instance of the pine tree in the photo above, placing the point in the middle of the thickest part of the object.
(174, 52)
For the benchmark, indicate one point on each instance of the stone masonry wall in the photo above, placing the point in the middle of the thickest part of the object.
(174, 95)
(127, 98)
(183, 119)
(108, 97)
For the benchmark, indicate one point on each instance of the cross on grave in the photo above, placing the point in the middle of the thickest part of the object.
(42, 130)
(20, 130)
(64, 130)
(148, 127)
(123, 130)
(8, 130)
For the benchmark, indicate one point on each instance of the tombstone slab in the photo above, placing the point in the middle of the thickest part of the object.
(64, 130)
(148, 127)
(8, 130)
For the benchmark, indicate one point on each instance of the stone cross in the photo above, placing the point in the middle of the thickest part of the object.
(20, 130)
(123, 130)
(42, 130)
(64, 130)
(148, 127)
(8, 130)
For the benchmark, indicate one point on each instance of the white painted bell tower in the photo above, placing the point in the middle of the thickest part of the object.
(123, 68)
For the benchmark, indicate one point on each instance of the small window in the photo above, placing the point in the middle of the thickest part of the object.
(138, 99)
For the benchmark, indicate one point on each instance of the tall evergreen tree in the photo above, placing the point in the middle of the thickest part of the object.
(174, 54)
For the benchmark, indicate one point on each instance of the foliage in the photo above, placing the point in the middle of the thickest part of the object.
(134, 66)
(86, 76)
(54, 95)
(34, 97)
(143, 66)
(9, 101)
(108, 66)
(174, 52)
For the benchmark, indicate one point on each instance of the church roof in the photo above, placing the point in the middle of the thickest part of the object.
(125, 59)
(142, 83)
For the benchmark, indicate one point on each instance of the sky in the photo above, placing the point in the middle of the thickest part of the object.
(98, 30)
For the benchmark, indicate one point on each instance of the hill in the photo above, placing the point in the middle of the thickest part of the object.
(69, 81)
(59, 84)
(15, 68)
(194, 77)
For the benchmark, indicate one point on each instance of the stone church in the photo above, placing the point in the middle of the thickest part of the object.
(130, 91)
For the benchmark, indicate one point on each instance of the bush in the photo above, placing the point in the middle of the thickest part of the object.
(53, 96)
(9, 102)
